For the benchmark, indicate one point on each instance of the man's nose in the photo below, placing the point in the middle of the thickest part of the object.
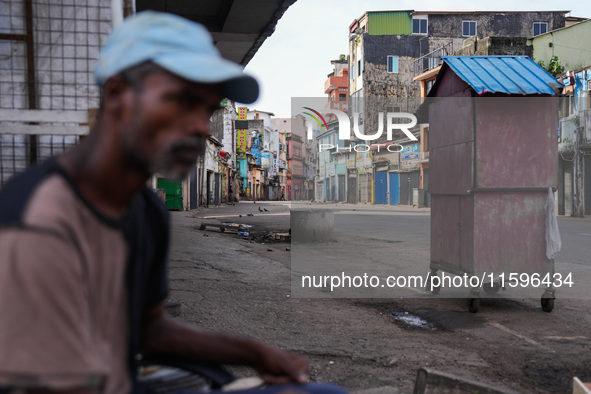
(198, 123)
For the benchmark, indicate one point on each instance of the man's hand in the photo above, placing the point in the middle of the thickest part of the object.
(163, 335)
(277, 366)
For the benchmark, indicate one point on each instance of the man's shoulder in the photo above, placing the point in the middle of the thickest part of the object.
(17, 192)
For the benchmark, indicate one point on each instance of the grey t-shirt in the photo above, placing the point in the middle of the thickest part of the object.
(74, 284)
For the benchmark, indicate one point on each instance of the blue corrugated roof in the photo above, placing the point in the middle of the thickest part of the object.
(502, 74)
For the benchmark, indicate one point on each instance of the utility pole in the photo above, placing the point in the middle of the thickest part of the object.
(578, 197)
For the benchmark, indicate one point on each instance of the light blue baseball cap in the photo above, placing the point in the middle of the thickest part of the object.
(183, 47)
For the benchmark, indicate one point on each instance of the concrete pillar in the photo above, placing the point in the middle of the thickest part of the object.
(312, 225)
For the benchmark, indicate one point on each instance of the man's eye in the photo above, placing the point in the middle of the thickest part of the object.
(188, 101)
(185, 99)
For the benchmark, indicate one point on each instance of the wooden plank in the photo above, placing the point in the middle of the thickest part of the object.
(430, 381)
(42, 129)
(43, 116)
(580, 387)
(13, 37)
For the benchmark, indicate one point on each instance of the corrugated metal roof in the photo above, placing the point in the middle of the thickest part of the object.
(502, 74)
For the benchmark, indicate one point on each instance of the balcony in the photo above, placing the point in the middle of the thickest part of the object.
(432, 59)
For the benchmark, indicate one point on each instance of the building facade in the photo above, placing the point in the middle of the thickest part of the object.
(568, 54)
(387, 51)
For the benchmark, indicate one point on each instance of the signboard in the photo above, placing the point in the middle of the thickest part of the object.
(241, 134)
(265, 160)
(363, 159)
(341, 169)
(351, 161)
(241, 124)
(243, 168)
(297, 168)
(410, 152)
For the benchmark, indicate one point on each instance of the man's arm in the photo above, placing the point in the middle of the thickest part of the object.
(162, 334)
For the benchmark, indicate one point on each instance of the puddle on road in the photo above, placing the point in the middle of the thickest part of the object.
(403, 318)
(410, 321)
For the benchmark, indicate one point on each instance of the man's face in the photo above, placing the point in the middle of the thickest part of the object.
(166, 123)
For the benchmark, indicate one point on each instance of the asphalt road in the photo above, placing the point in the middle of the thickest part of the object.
(242, 285)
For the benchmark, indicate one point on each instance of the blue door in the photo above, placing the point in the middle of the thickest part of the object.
(394, 188)
(381, 187)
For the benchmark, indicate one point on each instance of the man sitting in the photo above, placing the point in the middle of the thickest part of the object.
(83, 242)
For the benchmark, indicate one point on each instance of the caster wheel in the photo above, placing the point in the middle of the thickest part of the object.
(547, 304)
(491, 288)
(474, 305)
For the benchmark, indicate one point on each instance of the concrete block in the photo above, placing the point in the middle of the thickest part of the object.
(312, 225)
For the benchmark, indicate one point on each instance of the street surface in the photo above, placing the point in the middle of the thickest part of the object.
(240, 285)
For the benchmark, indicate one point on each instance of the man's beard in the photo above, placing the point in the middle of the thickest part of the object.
(168, 164)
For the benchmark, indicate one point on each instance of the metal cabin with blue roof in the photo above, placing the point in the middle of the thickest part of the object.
(493, 124)
(515, 75)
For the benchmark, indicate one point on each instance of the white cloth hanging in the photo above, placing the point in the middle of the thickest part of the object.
(553, 240)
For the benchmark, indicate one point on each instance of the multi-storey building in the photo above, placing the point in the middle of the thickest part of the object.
(337, 84)
(330, 182)
(564, 51)
(282, 127)
(387, 49)
(295, 165)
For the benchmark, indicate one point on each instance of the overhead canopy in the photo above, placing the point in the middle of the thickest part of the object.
(238, 27)
(499, 74)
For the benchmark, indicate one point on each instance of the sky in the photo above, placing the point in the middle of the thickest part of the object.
(295, 60)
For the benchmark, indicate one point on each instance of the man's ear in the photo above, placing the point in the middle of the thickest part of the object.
(116, 95)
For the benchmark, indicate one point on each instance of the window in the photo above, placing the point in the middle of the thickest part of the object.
(353, 71)
(358, 68)
(434, 62)
(392, 64)
(468, 28)
(342, 97)
(540, 28)
(419, 26)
